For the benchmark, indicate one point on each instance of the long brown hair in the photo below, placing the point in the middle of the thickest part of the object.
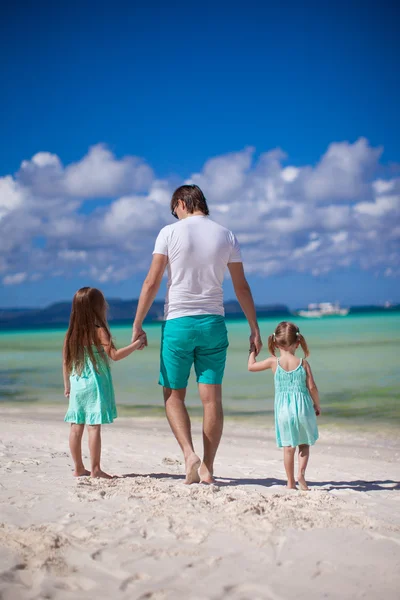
(89, 311)
(285, 335)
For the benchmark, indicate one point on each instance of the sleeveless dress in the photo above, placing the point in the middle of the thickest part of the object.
(295, 419)
(92, 400)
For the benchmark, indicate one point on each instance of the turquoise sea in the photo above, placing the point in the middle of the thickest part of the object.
(355, 361)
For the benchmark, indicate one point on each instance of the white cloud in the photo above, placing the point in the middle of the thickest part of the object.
(12, 195)
(138, 214)
(223, 175)
(382, 186)
(15, 279)
(307, 249)
(340, 237)
(100, 174)
(381, 206)
(304, 218)
(343, 173)
(44, 159)
(73, 255)
(289, 174)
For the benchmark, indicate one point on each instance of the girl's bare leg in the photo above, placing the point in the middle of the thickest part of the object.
(288, 459)
(95, 451)
(304, 454)
(75, 445)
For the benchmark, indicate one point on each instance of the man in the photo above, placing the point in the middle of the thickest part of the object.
(197, 251)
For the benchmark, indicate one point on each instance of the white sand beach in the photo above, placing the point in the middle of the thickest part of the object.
(148, 536)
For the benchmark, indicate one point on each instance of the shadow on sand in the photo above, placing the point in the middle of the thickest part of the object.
(359, 485)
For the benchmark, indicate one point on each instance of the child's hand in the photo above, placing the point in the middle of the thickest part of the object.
(140, 343)
(317, 410)
(67, 391)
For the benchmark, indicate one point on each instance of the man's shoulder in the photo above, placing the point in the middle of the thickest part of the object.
(166, 230)
(222, 228)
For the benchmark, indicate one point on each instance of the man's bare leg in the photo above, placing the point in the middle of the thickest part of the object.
(179, 422)
(213, 422)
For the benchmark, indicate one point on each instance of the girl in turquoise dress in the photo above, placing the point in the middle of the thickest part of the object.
(296, 398)
(88, 346)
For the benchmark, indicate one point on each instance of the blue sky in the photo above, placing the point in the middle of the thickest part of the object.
(188, 87)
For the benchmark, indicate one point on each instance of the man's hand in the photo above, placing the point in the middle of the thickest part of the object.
(140, 342)
(137, 332)
(256, 342)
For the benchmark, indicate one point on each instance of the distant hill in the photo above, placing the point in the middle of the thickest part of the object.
(121, 311)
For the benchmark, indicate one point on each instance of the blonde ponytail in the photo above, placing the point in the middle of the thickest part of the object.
(303, 344)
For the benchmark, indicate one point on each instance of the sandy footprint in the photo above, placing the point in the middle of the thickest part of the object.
(134, 579)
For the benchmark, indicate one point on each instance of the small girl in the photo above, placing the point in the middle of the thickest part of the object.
(296, 398)
(87, 377)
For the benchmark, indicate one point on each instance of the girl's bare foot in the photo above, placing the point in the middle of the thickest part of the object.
(81, 472)
(98, 473)
(192, 464)
(205, 475)
(291, 485)
(303, 483)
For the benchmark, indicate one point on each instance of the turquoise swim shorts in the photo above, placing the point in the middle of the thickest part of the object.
(201, 340)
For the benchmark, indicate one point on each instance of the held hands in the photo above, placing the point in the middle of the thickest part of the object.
(140, 342)
(138, 332)
(255, 342)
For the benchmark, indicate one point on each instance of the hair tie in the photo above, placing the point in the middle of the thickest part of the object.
(273, 336)
(297, 333)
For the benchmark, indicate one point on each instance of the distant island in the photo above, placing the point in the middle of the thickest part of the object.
(121, 311)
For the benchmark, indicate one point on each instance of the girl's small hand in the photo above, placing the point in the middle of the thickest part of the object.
(66, 392)
(317, 410)
(140, 343)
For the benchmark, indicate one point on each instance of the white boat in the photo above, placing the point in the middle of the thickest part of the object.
(324, 309)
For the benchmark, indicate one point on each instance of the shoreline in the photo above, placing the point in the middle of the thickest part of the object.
(263, 420)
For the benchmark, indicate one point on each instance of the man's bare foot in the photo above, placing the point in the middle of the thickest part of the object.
(205, 475)
(192, 464)
(303, 483)
(98, 473)
(81, 472)
(291, 485)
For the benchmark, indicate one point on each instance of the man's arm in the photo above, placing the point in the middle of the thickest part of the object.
(245, 298)
(149, 291)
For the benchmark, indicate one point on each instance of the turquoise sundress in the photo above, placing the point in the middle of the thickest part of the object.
(91, 399)
(295, 419)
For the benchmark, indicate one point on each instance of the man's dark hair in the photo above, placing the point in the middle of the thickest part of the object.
(193, 198)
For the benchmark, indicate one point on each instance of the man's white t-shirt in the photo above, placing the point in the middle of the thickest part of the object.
(198, 251)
